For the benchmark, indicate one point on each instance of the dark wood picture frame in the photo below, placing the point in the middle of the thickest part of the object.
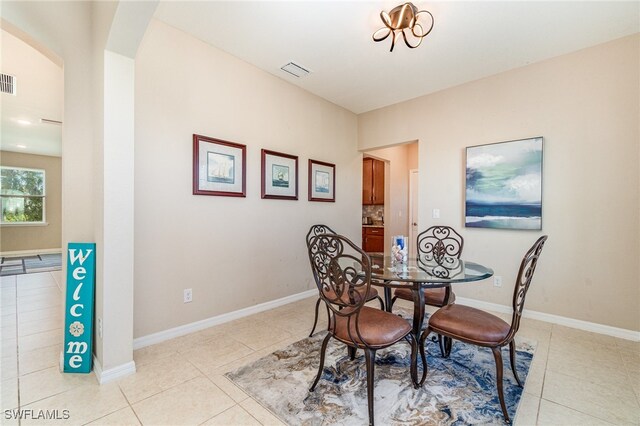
(228, 148)
(271, 189)
(312, 184)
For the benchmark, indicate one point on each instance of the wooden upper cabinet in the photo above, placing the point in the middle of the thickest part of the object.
(372, 181)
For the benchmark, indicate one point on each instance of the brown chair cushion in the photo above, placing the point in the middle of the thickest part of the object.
(378, 328)
(432, 296)
(470, 324)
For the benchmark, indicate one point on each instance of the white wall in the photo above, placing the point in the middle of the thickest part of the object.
(233, 252)
(586, 106)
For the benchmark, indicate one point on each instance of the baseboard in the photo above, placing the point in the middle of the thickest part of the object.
(621, 333)
(29, 252)
(115, 373)
(182, 330)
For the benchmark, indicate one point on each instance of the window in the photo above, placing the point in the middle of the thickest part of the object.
(22, 192)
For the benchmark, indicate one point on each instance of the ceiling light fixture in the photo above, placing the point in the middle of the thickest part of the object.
(401, 18)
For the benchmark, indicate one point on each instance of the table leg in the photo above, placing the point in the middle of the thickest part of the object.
(418, 310)
(387, 299)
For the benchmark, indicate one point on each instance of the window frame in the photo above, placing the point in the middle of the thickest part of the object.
(43, 196)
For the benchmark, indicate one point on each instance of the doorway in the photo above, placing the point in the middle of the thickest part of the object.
(393, 215)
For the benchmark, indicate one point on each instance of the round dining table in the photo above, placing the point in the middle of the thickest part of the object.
(422, 273)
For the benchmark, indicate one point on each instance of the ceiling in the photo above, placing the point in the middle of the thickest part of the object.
(39, 95)
(470, 40)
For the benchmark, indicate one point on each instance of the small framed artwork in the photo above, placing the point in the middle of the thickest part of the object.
(279, 175)
(504, 185)
(322, 181)
(219, 167)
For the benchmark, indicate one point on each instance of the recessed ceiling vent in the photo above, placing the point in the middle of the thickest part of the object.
(295, 70)
(8, 84)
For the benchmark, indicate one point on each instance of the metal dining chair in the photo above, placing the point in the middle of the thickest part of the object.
(480, 328)
(342, 272)
(372, 292)
(437, 243)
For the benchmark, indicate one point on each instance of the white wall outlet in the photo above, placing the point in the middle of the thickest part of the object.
(100, 328)
(497, 281)
(188, 295)
(436, 214)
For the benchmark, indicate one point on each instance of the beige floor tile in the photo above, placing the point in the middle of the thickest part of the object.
(574, 333)
(124, 417)
(631, 345)
(53, 314)
(236, 416)
(527, 413)
(153, 353)
(601, 401)
(535, 379)
(49, 382)
(228, 387)
(8, 310)
(40, 340)
(260, 335)
(157, 376)
(8, 281)
(26, 328)
(26, 292)
(215, 354)
(589, 369)
(8, 394)
(34, 306)
(8, 367)
(85, 403)
(263, 415)
(554, 414)
(189, 403)
(57, 276)
(39, 359)
(8, 347)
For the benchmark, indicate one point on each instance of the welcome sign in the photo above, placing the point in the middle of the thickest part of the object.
(78, 334)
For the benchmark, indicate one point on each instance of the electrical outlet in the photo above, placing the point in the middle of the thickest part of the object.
(436, 214)
(497, 281)
(100, 328)
(188, 295)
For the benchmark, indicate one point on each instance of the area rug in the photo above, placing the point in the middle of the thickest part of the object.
(30, 264)
(458, 390)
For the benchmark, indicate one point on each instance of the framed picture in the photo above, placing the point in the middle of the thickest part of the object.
(279, 175)
(504, 185)
(322, 181)
(219, 167)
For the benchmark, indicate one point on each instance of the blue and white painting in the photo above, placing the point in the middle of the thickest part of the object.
(504, 185)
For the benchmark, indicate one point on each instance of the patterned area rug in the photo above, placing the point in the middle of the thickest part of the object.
(459, 390)
(30, 264)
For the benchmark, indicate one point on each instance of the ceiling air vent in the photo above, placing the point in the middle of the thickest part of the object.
(295, 70)
(8, 84)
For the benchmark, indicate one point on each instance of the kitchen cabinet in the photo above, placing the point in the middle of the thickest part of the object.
(373, 239)
(372, 181)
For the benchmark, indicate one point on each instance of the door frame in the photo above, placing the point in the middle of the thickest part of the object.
(413, 235)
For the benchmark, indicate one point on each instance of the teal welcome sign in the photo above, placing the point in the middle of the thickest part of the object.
(78, 334)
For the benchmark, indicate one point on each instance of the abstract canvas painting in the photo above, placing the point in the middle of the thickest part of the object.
(504, 185)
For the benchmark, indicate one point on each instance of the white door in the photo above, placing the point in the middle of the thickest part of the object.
(413, 211)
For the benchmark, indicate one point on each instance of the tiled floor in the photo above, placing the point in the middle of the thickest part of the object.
(576, 377)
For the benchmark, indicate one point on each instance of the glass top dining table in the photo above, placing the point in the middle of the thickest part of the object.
(422, 273)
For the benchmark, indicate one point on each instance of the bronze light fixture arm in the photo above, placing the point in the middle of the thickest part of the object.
(401, 18)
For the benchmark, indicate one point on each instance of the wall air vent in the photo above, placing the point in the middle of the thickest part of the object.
(295, 70)
(8, 84)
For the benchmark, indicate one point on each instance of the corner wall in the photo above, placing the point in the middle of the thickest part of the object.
(37, 237)
(233, 252)
(586, 106)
